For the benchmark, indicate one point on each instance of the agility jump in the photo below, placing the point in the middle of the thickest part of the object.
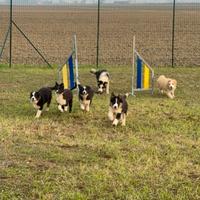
(142, 73)
(66, 71)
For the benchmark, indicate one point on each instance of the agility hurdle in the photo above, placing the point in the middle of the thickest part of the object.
(66, 72)
(142, 74)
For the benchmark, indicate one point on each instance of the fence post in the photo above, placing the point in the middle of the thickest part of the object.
(173, 30)
(98, 27)
(11, 19)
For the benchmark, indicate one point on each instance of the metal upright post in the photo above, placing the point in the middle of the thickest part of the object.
(173, 30)
(76, 61)
(98, 29)
(11, 19)
(133, 67)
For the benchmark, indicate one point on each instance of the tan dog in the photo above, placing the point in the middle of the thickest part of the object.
(167, 86)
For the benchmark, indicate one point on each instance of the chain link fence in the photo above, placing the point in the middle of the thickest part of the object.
(50, 26)
(4, 32)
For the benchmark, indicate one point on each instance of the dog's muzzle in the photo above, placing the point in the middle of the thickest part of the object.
(33, 100)
(171, 87)
(115, 106)
(100, 90)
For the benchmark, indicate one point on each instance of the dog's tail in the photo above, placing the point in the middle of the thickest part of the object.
(78, 83)
(93, 71)
(108, 75)
(75, 86)
(127, 94)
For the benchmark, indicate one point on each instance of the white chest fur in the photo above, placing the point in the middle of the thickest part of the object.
(35, 105)
(60, 100)
(86, 102)
(115, 111)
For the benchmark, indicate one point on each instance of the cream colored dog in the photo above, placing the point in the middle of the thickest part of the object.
(167, 86)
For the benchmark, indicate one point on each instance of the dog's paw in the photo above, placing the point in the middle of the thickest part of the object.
(82, 106)
(38, 114)
(60, 108)
(37, 117)
(127, 94)
(87, 109)
(115, 122)
(171, 97)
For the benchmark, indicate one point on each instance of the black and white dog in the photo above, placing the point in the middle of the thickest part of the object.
(103, 80)
(64, 97)
(85, 95)
(39, 98)
(118, 109)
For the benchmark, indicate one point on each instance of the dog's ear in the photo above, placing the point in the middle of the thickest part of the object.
(112, 94)
(174, 82)
(37, 95)
(79, 86)
(31, 93)
(120, 97)
(169, 81)
(100, 82)
(61, 85)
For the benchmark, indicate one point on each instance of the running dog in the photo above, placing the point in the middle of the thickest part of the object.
(39, 98)
(85, 95)
(118, 109)
(167, 86)
(64, 97)
(103, 80)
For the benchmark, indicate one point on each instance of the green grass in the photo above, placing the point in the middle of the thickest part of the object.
(81, 156)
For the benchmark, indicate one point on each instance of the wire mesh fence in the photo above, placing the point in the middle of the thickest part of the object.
(4, 32)
(151, 24)
(51, 29)
(50, 26)
(187, 37)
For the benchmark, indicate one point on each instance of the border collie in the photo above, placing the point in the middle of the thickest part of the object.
(39, 98)
(118, 109)
(64, 97)
(103, 80)
(85, 95)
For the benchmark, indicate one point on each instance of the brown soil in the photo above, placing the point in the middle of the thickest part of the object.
(51, 30)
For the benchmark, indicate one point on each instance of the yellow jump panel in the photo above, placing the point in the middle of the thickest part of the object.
(146, 77)
(65, 74)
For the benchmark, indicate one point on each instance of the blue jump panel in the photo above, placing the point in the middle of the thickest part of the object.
(71, 72)
(139, 73)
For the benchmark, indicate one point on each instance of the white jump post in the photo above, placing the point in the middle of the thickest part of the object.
(76, 60)
(133, 67)
(144, 72)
